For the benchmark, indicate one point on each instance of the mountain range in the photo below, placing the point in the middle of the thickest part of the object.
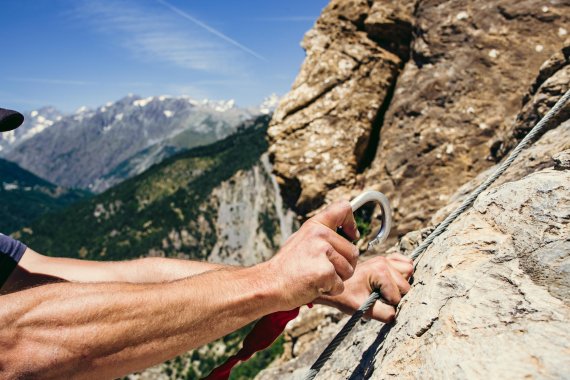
(217, 201)
(96, 149)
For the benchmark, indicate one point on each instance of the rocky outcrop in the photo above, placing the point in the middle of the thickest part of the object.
(491, 296)
(250, 222)
(329, 122)
(470, 64)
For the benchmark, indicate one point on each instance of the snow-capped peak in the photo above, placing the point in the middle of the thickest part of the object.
(269, 104)
(143, 102)
(217, 105)
(82, 109)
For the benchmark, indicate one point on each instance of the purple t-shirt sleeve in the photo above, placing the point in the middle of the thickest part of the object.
(11, 252)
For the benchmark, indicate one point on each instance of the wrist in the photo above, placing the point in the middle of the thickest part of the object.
(272, 287)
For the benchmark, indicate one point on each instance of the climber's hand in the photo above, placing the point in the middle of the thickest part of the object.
(315, 260)
(389, 274)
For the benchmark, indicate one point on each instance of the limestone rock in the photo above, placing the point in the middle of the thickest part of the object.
(562, 160)
(250, 222)
(542, 96)
(322, 131)
(552, 81)
(471, 63)
(466, 67)
(490, 296)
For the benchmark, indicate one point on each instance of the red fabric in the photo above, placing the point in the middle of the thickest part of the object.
(265, 332)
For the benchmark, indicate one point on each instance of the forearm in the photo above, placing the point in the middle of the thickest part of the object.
(145, 270)
(108, 330)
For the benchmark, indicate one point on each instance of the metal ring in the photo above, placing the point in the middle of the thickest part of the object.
(377, 197)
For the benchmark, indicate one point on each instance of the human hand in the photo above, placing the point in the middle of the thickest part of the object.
(390, 274)
(315, 261)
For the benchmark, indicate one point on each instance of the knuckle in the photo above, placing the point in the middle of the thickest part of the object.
(381, 262)
(312, 226)
(328, 250)
(355, 254)
(321, 232)
(342, 205)
(329, 274)
(394, 297)
(397, 298)
(382, 270)
(338, 288)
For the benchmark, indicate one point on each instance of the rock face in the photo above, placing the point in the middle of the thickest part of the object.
(491, 296)
(330, 119)
(251, 223)
(461, 69)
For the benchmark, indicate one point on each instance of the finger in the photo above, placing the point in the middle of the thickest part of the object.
(348, 250)
(339, 214)
(341, 266)
(404, 268)
(381, 312)
(337, 287)
(401, 283)
(382, 279)
(400, 257)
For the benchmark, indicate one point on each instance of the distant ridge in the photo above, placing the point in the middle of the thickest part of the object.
(95, 149)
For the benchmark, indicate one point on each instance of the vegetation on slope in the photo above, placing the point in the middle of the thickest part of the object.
(165, 210)
(24, 197)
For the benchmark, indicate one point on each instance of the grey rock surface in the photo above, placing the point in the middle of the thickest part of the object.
(490, 297)
(562, 160)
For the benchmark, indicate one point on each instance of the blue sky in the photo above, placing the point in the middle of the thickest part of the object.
(70, 53)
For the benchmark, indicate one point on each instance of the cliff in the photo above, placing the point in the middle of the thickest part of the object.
(407, 96)
(490, 297)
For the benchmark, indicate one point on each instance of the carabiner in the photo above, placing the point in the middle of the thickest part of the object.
(378, 197)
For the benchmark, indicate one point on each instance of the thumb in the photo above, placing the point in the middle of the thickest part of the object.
(339, 214)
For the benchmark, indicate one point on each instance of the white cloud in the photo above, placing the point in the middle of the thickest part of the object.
(211, 30)
(155, 34)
